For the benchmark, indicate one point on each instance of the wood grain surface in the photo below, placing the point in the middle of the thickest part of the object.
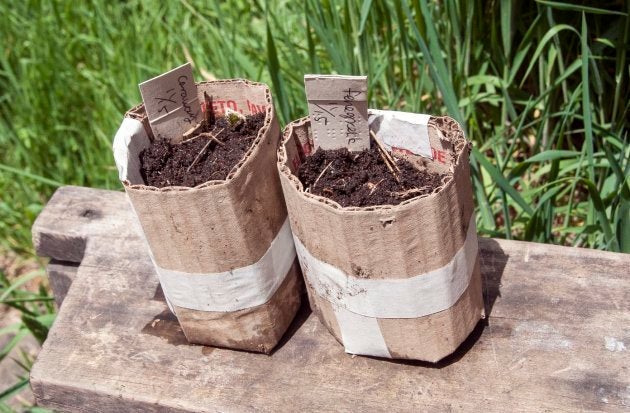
(555, 340)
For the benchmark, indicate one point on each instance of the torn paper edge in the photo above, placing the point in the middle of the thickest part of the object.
(413, 297)
(131, 138)
(402, 130)
(234, 290)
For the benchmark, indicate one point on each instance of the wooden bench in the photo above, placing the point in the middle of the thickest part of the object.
(555, 340)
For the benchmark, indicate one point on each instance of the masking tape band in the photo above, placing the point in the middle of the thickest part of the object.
(413, 297)
(360, 335)
(359, 302)
(233, 290)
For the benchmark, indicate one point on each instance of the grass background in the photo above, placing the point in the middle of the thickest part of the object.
(541, 88)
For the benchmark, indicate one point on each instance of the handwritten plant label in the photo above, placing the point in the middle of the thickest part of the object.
(338, 109)
(171, 103)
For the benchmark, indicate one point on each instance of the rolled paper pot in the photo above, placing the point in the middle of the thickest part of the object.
(222, 250)
(398, 281)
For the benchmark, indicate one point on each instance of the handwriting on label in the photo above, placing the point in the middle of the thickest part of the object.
(338, 110)
(171, 102)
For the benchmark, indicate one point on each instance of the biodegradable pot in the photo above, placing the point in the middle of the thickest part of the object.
(390, 281)
(222, 250)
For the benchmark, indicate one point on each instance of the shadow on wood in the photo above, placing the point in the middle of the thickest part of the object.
(493, 262)
(165, 325)
(300, 318)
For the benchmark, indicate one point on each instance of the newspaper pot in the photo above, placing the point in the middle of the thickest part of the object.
(222, 250)
(390, 281)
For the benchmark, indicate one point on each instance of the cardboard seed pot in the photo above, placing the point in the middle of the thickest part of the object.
(222, 250)
(390, 281)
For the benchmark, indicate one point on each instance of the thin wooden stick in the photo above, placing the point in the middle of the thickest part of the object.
(209, 136)
(374, 187)
(199, 154)
(384, 151)
(389, 161)
(213, 138)
(391, 170)
(190, 131)
(321, 174)
(410, 192)
(201, 134)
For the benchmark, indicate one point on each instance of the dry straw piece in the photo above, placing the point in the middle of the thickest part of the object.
(222, 250)
(390, 281)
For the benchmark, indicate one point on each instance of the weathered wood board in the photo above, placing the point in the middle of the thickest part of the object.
(555, 340)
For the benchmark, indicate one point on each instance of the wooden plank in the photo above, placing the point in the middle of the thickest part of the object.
(75, 214)
(555, 340)
(61, 274)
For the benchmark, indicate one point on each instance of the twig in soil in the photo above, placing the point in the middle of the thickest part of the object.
(212, 138)
(321, 174)
(327, 191)
(384, 152)
(191, 131)
(199, 154)
(387, 158)
(390, 168)
(411, 191)
(209, 117)
(200, 135)
(374, 186)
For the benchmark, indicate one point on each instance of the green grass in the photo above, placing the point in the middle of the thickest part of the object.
(541, 88)
(37, 315)
(525, 81)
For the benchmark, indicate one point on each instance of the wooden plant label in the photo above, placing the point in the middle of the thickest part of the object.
(337, 106)
(171, 103)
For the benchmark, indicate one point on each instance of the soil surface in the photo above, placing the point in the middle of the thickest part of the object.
(165, 164)
(363, 178)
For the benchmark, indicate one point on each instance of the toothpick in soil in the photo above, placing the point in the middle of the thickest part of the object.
(321, 174)
(387, 158)
(411, 191)
(209, 136)
(191, 131)
(384, 152)
(374, 186)
(212, 138)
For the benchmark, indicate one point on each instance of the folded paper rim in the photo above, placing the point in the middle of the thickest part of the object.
(236, 170)
(283, 168)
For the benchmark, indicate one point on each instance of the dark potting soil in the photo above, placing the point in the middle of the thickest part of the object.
(363, 179)
(166, 164)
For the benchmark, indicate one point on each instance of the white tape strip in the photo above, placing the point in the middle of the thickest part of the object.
(129, 141)
(413, 297)
(402, 130)
(358, 302)
(361, 335)
(233, 290)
